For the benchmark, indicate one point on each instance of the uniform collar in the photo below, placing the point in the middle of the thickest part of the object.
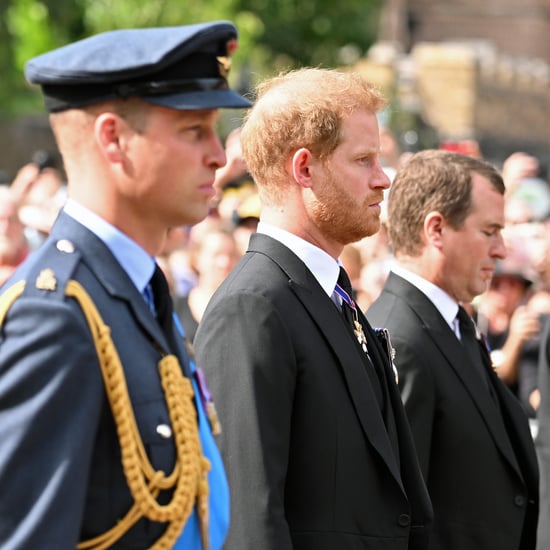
(137, 263)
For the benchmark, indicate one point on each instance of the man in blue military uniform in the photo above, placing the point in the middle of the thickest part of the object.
(105, 423)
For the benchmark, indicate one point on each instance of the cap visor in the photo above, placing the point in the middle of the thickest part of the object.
(212, 99)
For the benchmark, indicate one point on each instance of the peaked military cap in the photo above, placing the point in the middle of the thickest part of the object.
(182, 68)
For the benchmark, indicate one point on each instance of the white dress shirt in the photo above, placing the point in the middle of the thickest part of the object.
(439, 298)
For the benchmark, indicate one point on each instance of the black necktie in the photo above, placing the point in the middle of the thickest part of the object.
(472, 343)
(163, 304)
(159, 299)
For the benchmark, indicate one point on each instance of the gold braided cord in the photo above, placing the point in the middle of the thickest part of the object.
(188, 480)
(8, 297)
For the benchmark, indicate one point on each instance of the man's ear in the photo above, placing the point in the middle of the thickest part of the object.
(434, 226)
(301, 163)
(109, 131)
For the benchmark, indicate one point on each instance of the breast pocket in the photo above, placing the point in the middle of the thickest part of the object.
(156, 433)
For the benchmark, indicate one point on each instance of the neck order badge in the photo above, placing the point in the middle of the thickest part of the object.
(343, 288)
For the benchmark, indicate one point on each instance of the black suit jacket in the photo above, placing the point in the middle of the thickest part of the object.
(309, 461)
(477, 458)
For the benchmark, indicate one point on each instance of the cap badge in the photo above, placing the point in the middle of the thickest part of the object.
(224, 65)
(224, 61)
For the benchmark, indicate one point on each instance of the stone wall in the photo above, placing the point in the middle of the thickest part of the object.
(469, 90)
(518, 28)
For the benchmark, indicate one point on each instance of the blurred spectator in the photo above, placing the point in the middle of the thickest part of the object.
(176, 260)
(533, 238)
(376, 258)
(246, 218)
(40, 191)
(528, 201)
(237, 202)
(468, 147)
(528, 391)
(518, 166)
(212, 257)
(390, 152)
(14, 247)
(235, 169)
(372, 280)
(503, 315)
(351, 260)
(232, 197)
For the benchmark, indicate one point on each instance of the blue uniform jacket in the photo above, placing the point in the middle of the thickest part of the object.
(60, 471)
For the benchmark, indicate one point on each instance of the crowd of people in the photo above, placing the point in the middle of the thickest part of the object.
(510, 312)
(302, 188)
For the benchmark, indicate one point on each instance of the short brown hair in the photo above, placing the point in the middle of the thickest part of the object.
(71, 127)
(302, 108)
(433, 180)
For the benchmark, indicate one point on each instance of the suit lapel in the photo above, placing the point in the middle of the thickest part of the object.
(450, 347)
(326, 316)
(488, 409)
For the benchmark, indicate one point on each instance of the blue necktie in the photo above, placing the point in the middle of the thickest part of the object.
(149, 298)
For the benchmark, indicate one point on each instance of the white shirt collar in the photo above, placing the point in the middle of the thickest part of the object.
(440, 299)
(323, 266)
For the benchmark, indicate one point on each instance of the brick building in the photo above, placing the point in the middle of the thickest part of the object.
(472, 70)
(520, 29)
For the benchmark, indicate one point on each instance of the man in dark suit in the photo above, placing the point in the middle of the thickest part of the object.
(445, 216)
(314, 437)
(104, 435)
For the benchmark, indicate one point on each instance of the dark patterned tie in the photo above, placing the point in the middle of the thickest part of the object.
(345, 284)
(349, 312)
(375, 371)
(472, 344)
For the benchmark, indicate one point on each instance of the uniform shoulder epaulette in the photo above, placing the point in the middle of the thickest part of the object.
(52, 269)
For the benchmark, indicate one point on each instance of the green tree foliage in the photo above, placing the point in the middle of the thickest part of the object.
(27, 28)
(274, 34)
(311, 32)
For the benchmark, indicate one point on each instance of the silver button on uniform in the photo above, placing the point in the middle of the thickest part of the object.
(65, 245)
(164, 431)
